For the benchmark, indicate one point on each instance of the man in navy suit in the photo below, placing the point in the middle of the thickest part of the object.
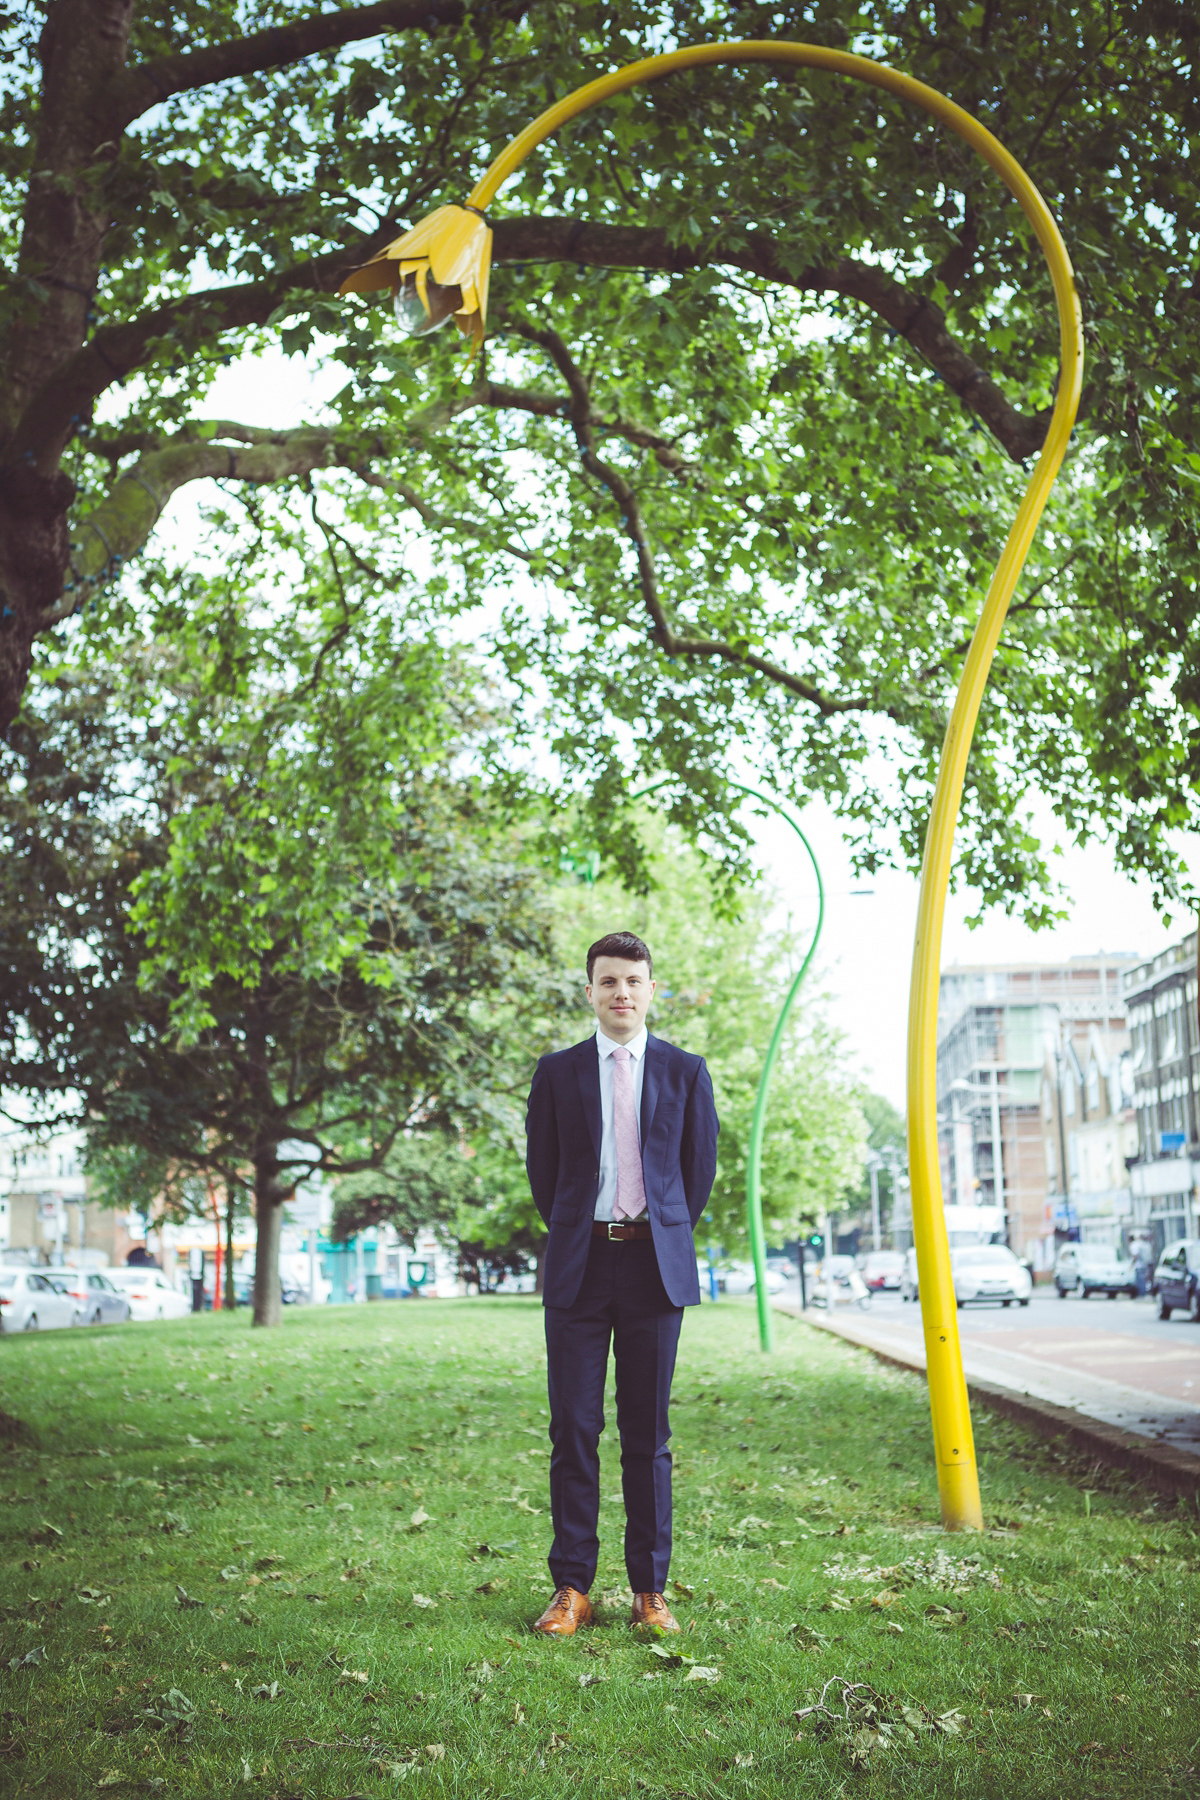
(622, 1151)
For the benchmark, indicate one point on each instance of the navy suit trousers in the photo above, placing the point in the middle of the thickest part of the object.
(620, 1300)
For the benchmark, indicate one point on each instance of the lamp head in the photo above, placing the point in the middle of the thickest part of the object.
(437, 271)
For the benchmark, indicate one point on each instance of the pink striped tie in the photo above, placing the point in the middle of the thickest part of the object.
(631, 1192)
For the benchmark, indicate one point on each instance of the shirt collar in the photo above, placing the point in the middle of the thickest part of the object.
(636, 1046)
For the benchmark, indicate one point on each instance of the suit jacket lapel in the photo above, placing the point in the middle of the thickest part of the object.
(650, 1075)
(587, 1068)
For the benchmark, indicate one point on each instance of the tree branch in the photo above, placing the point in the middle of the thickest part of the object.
(663, 634)
(910, 315)
(117, 350)
(148, 84)
(121, 524)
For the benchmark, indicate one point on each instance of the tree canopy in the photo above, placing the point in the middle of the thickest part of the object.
(254, 921)
(767, 355)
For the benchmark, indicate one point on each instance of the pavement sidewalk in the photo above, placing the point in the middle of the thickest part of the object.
(1153, 1435)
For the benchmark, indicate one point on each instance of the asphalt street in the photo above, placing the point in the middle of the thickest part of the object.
(1115, 1360)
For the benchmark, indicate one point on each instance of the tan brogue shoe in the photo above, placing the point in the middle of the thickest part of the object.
(568, 1610)
(652, 1609)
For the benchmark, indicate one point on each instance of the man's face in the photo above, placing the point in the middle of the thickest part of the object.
(620, 993)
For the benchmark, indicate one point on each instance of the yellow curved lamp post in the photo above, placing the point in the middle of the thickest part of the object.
(440, 270)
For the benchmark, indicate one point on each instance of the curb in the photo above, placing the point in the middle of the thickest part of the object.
(1161, 1466)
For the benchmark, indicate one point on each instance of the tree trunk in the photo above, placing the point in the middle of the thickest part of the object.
(270, 1193)
(230, 1287)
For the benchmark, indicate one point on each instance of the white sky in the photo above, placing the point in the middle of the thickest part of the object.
(867, 941)
(866, 944)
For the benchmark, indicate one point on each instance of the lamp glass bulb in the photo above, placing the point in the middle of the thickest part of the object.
(414, 321)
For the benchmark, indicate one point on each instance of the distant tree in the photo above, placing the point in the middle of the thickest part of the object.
(421, 1183)
(250, 920)
(886, 1134)
(721, 982)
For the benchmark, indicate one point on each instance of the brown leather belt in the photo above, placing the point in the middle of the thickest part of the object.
(623, 1233)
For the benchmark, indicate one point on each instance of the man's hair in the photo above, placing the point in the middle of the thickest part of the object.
(622, 944)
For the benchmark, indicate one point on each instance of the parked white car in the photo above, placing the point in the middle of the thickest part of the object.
(29, 1301)
(989, 1272)
(150, 1294)
(738, 1278)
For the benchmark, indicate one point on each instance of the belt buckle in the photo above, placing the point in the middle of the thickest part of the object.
(616, 1231)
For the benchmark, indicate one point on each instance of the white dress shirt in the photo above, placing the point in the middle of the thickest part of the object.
(607, 1195)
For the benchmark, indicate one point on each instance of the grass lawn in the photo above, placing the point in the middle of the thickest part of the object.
(304, 1563)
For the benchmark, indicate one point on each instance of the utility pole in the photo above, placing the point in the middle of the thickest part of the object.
(873, 1165)
(997, 1147)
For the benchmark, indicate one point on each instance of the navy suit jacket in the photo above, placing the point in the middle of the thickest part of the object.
(679, 1161)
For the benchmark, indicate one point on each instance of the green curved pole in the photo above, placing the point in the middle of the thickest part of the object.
(754, 1213)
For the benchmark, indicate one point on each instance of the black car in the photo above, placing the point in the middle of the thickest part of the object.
(1177, 1279)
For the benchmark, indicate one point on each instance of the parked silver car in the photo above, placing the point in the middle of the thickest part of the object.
(96, 1300)
(29, 1301)
(1086, 1269)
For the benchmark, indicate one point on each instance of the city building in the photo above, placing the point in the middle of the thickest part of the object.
(1002, 1141)
(1164, 1170)
(45, 1214)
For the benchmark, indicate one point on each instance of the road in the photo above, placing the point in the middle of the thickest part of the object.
(1115, 1360)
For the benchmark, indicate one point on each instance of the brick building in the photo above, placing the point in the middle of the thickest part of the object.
(1001, 1028)
(1164, 1169)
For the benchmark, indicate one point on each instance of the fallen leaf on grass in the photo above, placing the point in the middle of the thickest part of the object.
(110, 1778)
(944, 1618)
(685, 1592)
(185, 1601)
(358, 1675)
(435, 1752)
(418, 1518)
(423, 1601)
(743, 1762)
(266, 1693)
(698, 1672)
(806, 1637)
(1023, 1702)
(871, 1723)
(30, 1660)
(94, 1596)
(838, 1603)
(593, 1678)
(495, 1586)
